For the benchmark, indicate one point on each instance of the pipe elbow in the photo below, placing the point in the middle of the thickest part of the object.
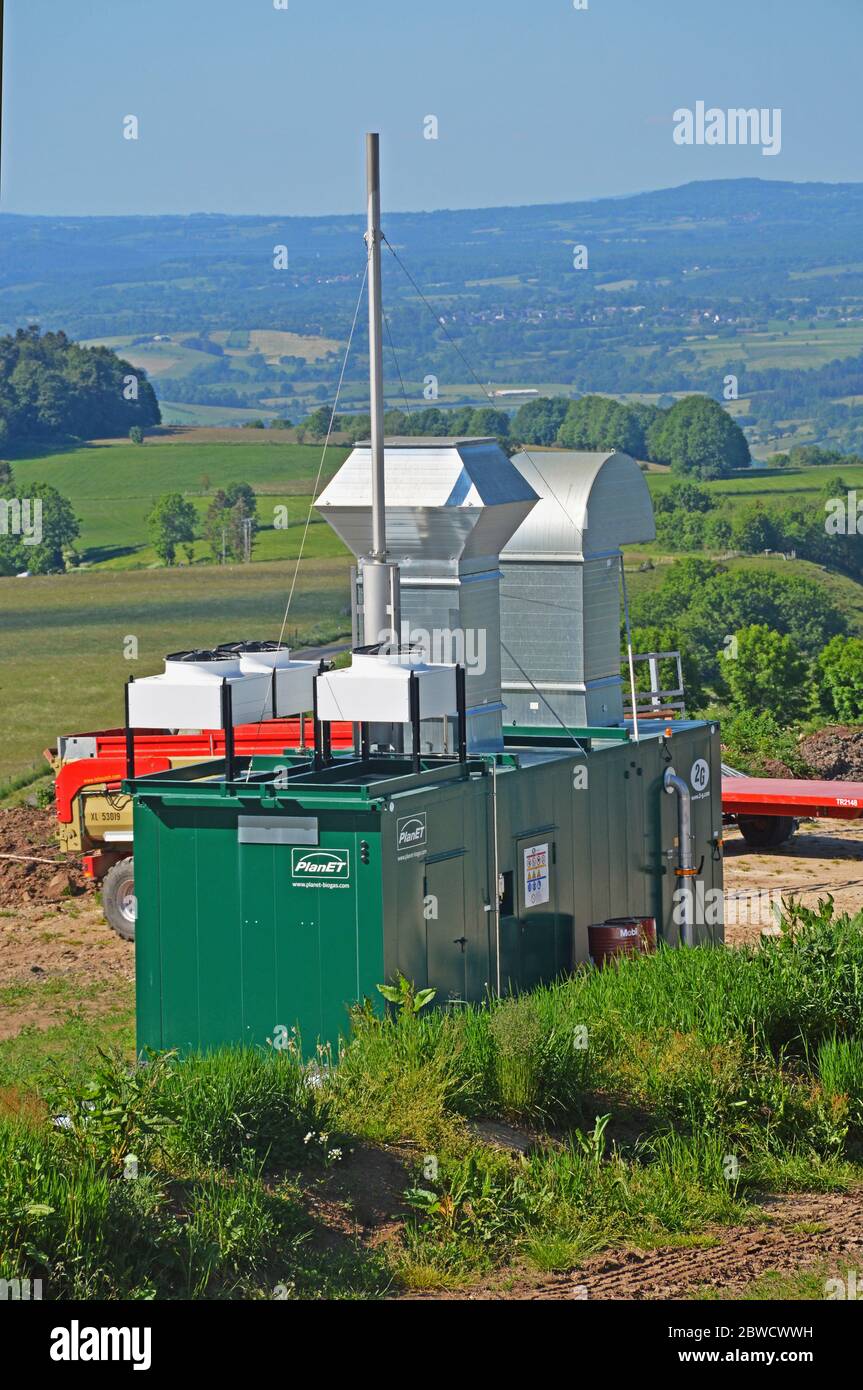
(673, 783)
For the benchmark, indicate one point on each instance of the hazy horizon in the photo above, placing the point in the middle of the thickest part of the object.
(241, 105)
(443, 208)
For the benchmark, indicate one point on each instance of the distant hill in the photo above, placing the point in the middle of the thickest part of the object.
(682, 286)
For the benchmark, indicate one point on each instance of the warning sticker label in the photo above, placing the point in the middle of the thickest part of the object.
(536, 875)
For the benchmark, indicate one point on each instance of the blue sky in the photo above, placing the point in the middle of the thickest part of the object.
(244, 108)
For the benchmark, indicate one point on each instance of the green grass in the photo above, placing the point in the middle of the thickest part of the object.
(62, 667)
(181, 413)
(776, 1287)
(117, 537)
(195, 1216)
(14, 790)
(72, 1039)
(113, 488)
(766, 484)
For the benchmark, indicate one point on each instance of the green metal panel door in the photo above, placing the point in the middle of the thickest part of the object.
(446, 940)
(308, 950)
(318, 923)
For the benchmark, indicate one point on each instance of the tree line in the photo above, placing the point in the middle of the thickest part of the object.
(823, 530)
(693, 436)
(51, 387)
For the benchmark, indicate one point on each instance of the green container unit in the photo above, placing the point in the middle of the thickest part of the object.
(264, 906)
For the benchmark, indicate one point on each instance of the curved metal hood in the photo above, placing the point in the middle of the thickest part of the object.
(590, 504)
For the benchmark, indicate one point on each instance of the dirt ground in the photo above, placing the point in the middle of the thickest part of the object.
(52, 932)
(32, 870)
(789, 1234)
(363, 1200)
(824, 857)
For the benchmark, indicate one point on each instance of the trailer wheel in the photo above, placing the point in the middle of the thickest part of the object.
(766, 832)
(119, 903)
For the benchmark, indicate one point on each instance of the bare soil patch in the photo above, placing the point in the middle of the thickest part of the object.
(823, 857)
(32, 869)
(835, 752)
(783, 1240)
(69, 945)
(56, 948)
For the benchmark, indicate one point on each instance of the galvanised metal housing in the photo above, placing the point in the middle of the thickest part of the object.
(452, 504)
(560, 593)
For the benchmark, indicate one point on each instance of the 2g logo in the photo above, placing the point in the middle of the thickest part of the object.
(699, 777)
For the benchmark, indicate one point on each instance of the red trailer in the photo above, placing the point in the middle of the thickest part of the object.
(766, 809)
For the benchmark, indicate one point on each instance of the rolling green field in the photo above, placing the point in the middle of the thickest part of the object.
(178, 413)
(124, 471)
(177, 357)
(113, 488)
(768, 485)
(62, 667)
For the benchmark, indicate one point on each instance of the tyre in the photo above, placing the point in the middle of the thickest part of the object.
(766, 832)
(119, 903)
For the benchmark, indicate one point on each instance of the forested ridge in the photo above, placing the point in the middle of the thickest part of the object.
(51, 387)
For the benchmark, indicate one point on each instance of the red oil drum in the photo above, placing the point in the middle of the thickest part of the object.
(621, 936)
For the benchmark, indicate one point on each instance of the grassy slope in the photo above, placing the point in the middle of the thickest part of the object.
(82, 619)
(61, 636)
(114, 486)
(773, 485)
(650, 1076)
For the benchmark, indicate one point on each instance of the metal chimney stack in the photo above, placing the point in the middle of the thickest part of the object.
(380, 576)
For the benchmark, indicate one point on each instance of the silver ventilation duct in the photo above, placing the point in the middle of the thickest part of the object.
(560, 594)
(451, 505)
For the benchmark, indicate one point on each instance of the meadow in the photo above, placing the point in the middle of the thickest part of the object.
(781, 346)
(768, 485)
(113, 487)
(62, 637)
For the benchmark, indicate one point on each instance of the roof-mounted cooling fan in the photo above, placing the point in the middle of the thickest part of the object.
(239, 648)
(200, 654)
